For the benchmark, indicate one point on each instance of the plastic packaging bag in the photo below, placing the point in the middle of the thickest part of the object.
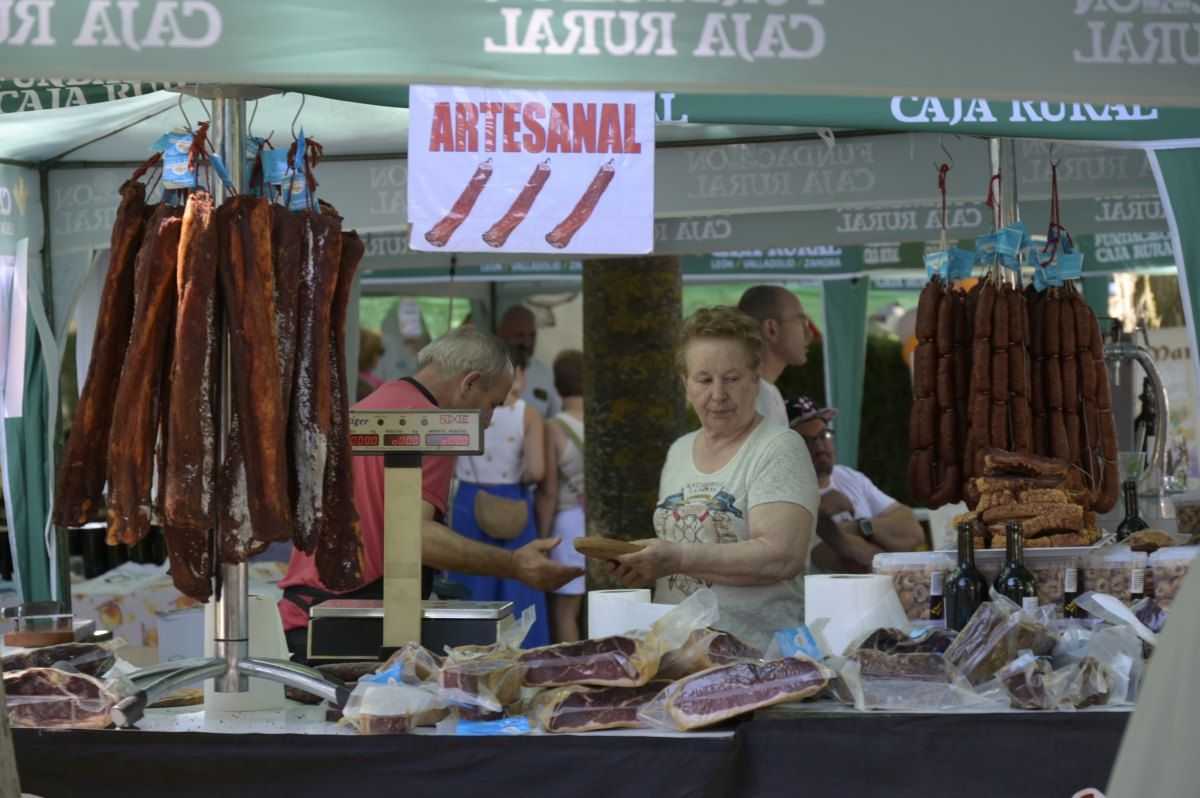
(412, 664)
(48, 698)
(392, 708)
(724, 692)
(995, 635)
(705, 648)
(627, 660)
(927, 640)
(1152, 614)
(577, 708)
(92, 659)
(1032, 683)
(481, 681)
(902, 681)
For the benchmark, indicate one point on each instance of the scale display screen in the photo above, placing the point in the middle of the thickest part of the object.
(416, 432)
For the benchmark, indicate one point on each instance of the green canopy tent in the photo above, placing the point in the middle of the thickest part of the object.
(800, 67)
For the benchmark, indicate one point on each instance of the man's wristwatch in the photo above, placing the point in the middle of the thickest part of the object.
(866, 528)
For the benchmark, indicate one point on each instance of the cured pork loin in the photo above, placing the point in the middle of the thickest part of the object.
(84, 467)
(724, 692)
(579, 709)
(131, 441)
(87, 658)
(46, 698)
(616, 661)
(705, 648)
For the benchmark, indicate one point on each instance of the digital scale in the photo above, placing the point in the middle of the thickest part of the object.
(347, 629)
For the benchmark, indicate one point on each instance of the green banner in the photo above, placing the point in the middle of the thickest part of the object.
(1102, 253)
(41, 94)
(1091, 51)
(967, 116)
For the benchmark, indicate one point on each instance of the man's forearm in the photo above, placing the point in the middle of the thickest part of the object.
(848, 547)
(445, 550)
(898, 529)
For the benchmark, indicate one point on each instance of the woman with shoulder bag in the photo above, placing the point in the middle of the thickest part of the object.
(560, 502)
(494, 502)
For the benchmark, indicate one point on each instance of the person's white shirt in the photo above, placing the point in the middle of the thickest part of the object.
(867, 500)
(539, 390)
(770, 404)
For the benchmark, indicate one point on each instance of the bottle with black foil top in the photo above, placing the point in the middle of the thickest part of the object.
(937, 598)
(1071, 592)
(1133, 521)
(965, 587)
(1015, 581)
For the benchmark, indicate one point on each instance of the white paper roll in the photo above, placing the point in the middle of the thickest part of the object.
(614, 612)
(851, 604)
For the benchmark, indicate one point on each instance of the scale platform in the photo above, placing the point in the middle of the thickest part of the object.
(342, 630)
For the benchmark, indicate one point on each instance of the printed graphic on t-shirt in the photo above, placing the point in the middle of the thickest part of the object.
(701, 513)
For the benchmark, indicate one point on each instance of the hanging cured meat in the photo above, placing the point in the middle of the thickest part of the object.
(339, 547)
(248, 294)
(84, 466)
(132, 438)
(310, 418)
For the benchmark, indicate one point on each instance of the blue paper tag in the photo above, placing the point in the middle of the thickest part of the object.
(1070, 266)
(1008, 240)
(175, 160)
(219, 167)
(937, 264)
(985, 248)
(962, 261)
(275, 168)
(797, 640)
(1039, 281)
(482, 728)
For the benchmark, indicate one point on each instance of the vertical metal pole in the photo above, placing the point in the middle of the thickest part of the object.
(1003, 154)
(231, 635)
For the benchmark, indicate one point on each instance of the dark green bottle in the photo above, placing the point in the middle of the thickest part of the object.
(965, 588)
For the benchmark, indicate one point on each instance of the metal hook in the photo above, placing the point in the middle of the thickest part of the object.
(949, 157)
(250, 124)
(203, 107)
(186, 121)
(1050, 157)
(303, 97)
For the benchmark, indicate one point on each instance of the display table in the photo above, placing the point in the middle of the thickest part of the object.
(815, 750)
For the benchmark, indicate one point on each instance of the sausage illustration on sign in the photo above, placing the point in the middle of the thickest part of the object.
(561, 235)
(498, 233)
(439, 234)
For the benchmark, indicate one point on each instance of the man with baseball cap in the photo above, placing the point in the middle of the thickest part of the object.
(855, 520)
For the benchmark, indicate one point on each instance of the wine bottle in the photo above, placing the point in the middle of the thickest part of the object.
(1133, 521)
(1137, 585)
(966, 588)
(1071, 592)
(1015, 581)
(937, 602)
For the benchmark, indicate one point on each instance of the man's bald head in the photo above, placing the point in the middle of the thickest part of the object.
(518, 329)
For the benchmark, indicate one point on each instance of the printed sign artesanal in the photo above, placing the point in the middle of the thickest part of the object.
(510, 170)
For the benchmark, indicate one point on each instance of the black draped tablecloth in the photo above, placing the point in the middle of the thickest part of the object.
(779, 753)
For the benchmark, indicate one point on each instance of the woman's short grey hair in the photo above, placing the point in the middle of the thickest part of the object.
(464, 350)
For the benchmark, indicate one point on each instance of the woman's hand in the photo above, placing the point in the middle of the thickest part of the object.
(656, 558)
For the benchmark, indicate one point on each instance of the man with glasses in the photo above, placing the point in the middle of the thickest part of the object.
(855, 520)
(785, 335)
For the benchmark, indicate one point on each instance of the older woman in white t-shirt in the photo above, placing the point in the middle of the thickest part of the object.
(737, 497)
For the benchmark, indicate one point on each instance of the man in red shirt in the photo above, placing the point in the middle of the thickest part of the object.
(465, 369)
